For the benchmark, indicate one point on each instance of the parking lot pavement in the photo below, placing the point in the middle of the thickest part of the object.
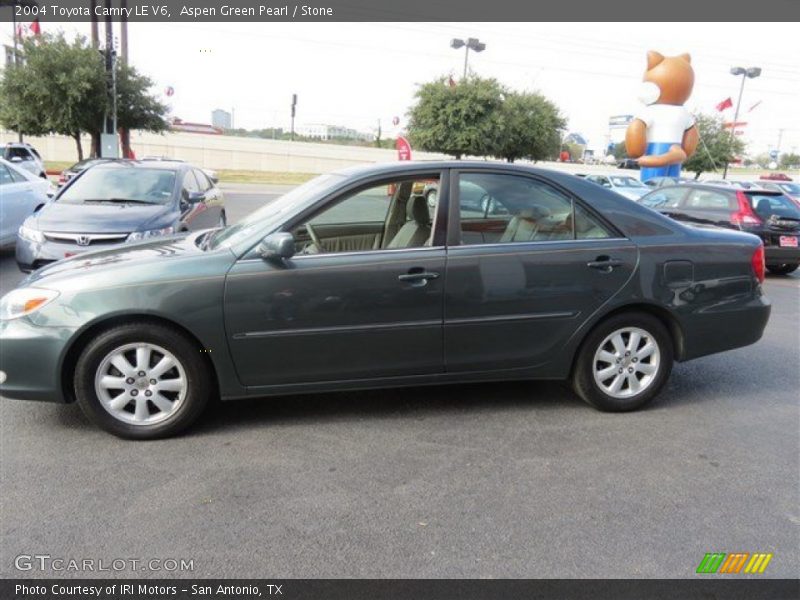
(512, 479)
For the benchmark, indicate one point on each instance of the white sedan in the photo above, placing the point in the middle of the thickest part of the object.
(22, 193)
(631, 188)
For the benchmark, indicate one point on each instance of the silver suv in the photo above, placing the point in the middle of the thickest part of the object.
(25, 157)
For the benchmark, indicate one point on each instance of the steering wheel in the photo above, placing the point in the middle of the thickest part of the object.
(314, 237)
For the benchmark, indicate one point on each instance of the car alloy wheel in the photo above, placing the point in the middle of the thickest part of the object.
(141, 384)
(626, 362)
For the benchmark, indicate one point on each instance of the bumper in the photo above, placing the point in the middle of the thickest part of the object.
(775, 255)
(32, 255)
(31, 359)
(743, 323)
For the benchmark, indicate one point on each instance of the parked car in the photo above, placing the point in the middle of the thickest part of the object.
(79, 167)
(628, 163)
(117, 202)
(631, 188)
(790, 189)
(776, 177)
(741, 185)
(340, 284)
(26, 157)
(21, 193)
(212, 174)
(657, 182)
(770, 215)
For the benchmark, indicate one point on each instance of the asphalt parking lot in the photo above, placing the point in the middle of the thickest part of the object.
(514, 479)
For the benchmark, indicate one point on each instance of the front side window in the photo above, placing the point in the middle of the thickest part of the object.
(5, 176)
(512, 209)
(120, 184)
(190, 185)
(389, 215)
(202, 180)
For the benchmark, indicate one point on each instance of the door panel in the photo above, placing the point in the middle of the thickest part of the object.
(336, 317)
(513, 305)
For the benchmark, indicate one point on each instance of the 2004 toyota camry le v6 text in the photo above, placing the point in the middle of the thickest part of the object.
(354, 280)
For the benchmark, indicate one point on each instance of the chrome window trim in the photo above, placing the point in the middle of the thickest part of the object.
(541, 243)
(355, 253)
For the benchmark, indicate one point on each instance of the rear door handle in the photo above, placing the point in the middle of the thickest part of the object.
(604, 263)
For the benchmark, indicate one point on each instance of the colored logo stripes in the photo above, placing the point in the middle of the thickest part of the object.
(720, 562)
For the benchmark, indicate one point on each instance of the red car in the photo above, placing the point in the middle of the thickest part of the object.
(777, 177)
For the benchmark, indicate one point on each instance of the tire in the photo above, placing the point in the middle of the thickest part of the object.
(658, 362)
(179, 396)
(782, 269)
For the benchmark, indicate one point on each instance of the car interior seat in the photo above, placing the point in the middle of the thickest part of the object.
(417, 229)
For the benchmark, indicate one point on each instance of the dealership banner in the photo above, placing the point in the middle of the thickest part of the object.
(408, 10)
(406, 589)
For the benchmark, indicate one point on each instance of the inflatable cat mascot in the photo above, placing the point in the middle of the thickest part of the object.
(663, 135)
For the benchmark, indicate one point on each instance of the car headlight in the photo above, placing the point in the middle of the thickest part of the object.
(24, 301)
(32, 235)
(150, 233)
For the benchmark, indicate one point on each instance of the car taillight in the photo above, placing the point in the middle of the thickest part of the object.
(745, 214)
(758, 263)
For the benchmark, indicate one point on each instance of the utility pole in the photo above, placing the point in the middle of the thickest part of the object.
(124, 133)
(294, 111)
(109, 141)
(95, 31)
(751, 73)
(16, 57)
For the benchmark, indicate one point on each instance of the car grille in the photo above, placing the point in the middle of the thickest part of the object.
(85, 239)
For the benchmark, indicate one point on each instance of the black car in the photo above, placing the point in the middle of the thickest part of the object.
(770, 215)
(628, 163)
(118, 202)
(353, 281)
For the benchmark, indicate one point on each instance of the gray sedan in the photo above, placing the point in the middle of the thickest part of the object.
(353, 281)
(21, 193)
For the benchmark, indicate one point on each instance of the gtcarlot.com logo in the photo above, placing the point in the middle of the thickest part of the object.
(720, 562)
(45, 562)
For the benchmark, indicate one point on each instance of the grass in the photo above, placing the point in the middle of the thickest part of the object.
(56, 165)
(274, 177)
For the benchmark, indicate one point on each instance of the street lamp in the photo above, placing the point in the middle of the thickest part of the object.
(750, 73)
(471, 44)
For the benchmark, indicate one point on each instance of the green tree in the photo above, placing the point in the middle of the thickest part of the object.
(136, 107)
(530, 127)
(789, 160)
(459, 120)
(715, 148)
(57, 87)
(620, 152)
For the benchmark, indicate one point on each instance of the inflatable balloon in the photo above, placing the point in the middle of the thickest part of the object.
(169, 91)
(663, 134)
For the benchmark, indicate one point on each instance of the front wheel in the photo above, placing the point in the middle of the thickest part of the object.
(623, 363)
(782, 269)
(142, 381)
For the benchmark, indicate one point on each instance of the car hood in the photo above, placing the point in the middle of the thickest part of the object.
(97, 218)
(127, 264)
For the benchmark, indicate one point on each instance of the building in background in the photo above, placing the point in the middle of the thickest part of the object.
(319, 131)
(221, 118)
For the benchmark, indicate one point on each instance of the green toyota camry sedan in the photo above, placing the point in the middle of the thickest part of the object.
(357, 280)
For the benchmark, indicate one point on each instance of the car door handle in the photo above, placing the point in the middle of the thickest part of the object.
(604, 263)
(418, 276)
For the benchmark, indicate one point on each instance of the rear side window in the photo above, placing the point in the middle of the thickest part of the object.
(17, 176)
(710, 200)
(766, 206)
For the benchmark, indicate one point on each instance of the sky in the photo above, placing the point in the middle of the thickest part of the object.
(354, 74)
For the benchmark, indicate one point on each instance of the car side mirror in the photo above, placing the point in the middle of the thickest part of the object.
(277, 246)
(195, 197)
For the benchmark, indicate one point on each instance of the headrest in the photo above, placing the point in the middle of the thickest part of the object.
(417, 210)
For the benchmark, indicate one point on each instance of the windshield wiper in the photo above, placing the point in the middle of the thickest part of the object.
(120, 200)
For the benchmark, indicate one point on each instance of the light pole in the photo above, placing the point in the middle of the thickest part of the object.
(471, 44)
(750, 73)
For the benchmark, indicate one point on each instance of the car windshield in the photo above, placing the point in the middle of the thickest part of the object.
(767, 206)
(627, 182)
(120, 184)
(270, 215)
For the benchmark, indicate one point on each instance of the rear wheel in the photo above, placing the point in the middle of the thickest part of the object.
(623, 363)
(142, 381)
(783, 269)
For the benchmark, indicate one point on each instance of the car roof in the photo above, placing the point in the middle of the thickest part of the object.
(400, 167)
(138, 164)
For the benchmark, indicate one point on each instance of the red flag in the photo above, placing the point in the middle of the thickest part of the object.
(403, 149)
(727, 103)
(35, 28)
(754, 105)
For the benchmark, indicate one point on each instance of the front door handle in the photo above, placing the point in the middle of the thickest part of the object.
(418, 276)
(604, 263)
